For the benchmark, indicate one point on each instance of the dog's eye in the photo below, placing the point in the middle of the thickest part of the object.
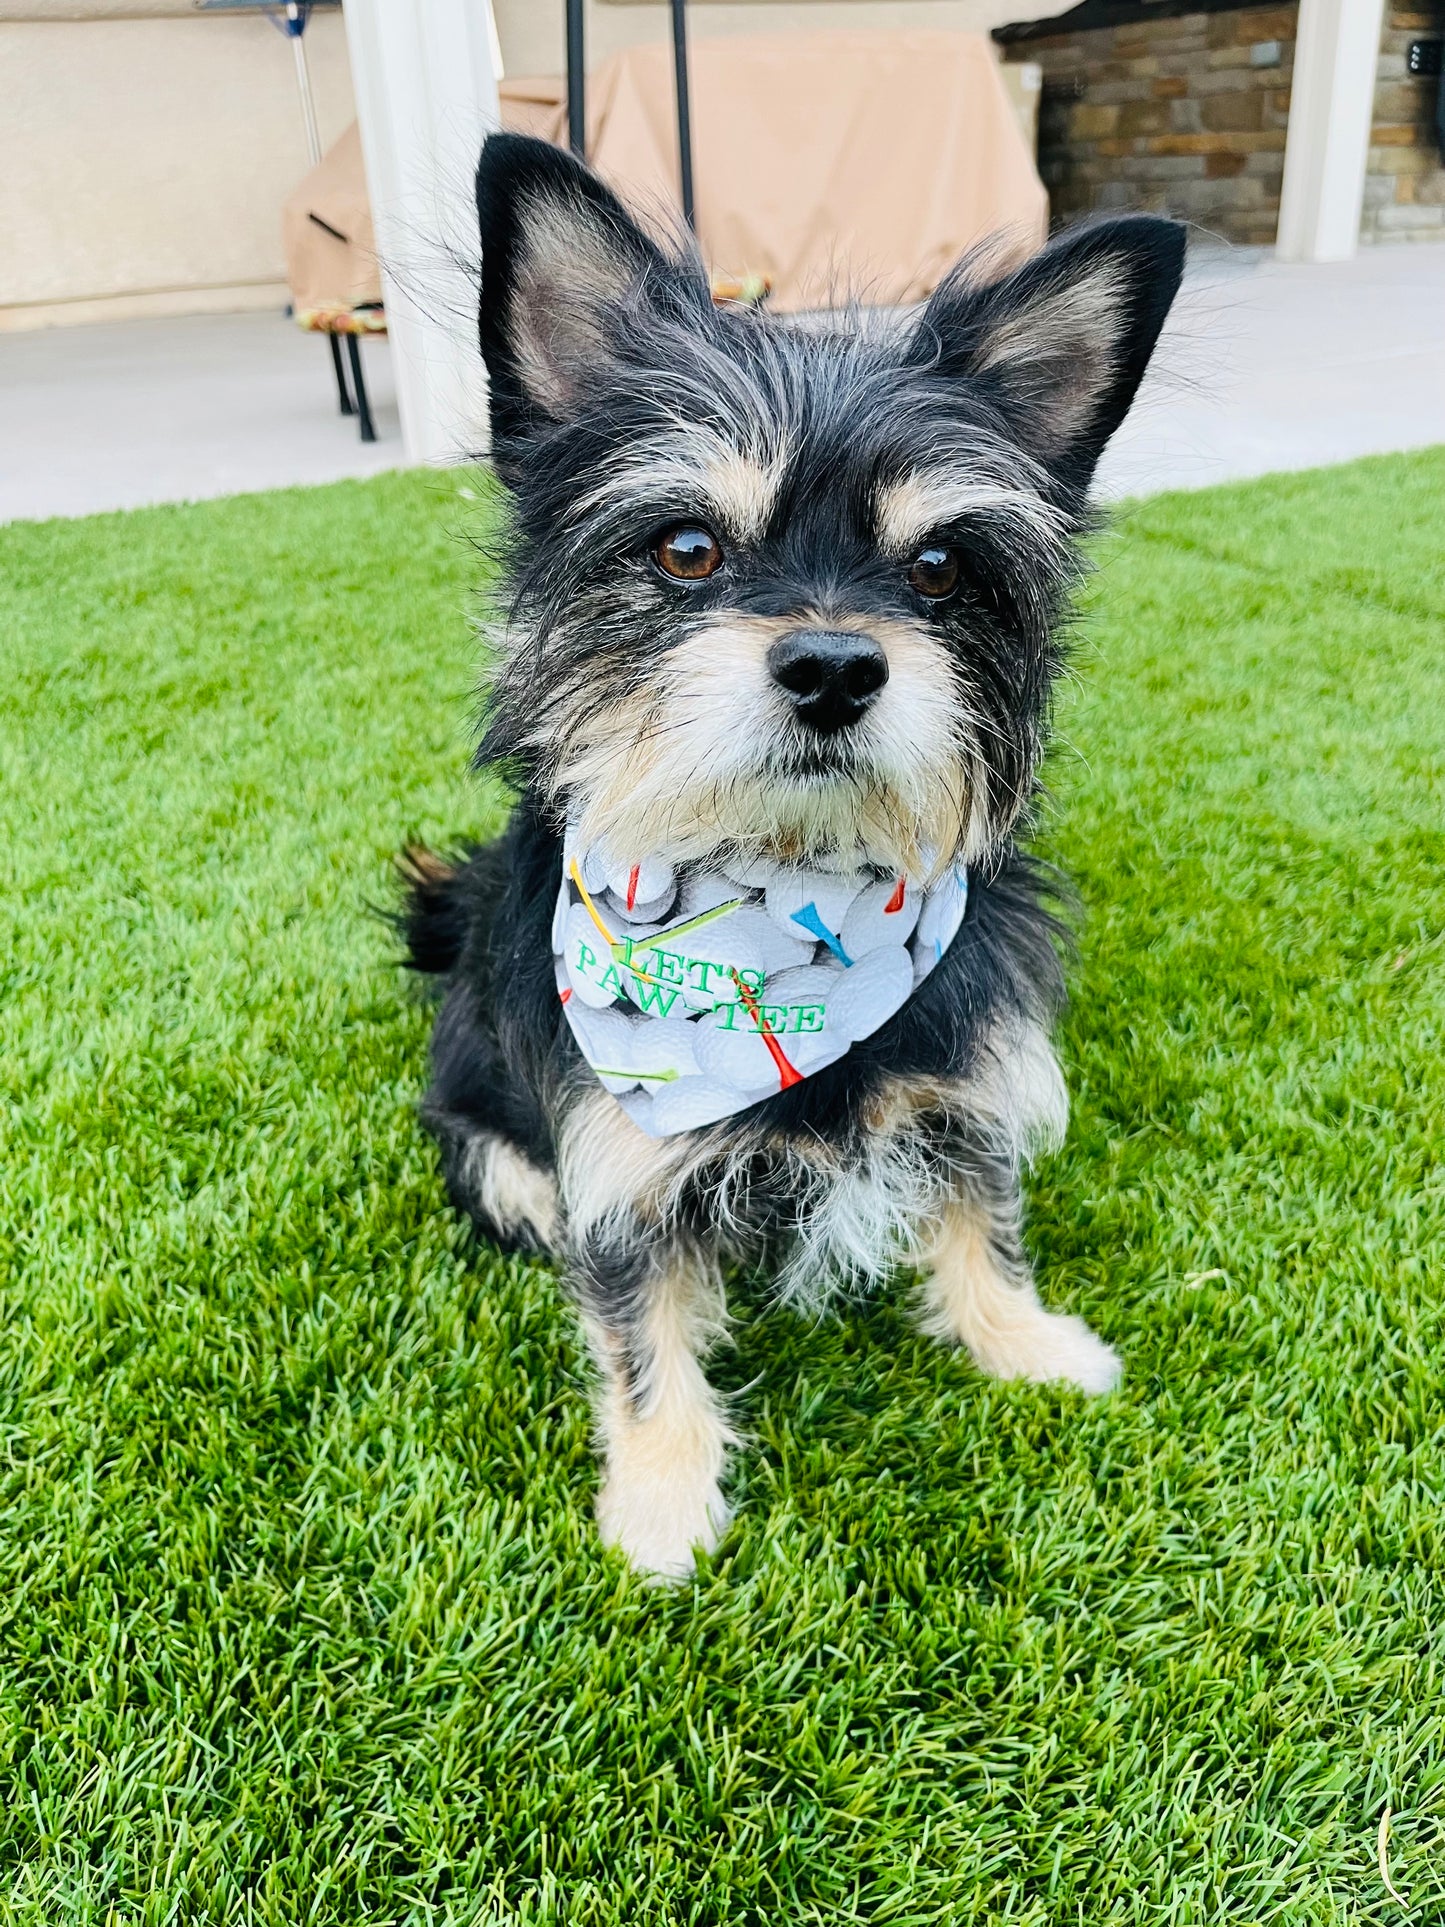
(934, 571)
(687, 554)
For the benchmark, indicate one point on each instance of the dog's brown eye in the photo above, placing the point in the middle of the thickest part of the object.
(934, 571)
(688, 554)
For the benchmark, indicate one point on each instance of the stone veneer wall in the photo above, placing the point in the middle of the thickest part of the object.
(1183, 116)
(1404, 180)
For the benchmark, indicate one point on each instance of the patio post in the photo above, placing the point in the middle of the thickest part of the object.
(1331, 107)
(425, 79)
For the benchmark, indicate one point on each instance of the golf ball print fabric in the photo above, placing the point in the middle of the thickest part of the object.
(694, 995)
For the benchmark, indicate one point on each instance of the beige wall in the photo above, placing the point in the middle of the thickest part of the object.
(146, 148)
(143, 161)
(533, 41)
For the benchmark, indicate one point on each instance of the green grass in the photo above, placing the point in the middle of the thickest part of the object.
(302, 1618)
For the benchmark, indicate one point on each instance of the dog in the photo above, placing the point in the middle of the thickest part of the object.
(758, 970)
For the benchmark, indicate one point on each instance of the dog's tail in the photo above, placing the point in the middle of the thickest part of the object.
(432, 920)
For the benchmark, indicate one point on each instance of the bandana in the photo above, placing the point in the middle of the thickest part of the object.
(695, 994)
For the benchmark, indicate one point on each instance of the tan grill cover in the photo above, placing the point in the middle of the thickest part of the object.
(325, 273)
(832, 163)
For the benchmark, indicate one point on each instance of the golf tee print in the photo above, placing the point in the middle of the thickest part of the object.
(698, 993)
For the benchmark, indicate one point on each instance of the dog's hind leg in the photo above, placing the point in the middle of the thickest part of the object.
(494, 1145)
(652, 1307)
(979, 1292)
(509, 1199)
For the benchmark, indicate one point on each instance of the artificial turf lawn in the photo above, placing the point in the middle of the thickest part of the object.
(302, 1616)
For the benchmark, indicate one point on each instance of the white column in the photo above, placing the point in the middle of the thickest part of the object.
(425, 76)
(1331, 105)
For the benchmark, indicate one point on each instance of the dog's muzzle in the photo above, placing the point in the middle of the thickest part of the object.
(831, 676)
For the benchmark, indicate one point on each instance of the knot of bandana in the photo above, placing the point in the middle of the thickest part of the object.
(696, 994)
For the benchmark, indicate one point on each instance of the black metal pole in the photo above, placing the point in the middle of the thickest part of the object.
(363, 407)
(342, 397)
(684, 109)
(576, 82)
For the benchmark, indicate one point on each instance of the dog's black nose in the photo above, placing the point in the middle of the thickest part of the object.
(831, 675)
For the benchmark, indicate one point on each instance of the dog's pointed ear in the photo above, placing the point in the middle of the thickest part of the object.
(1061, 344)
(561, 258)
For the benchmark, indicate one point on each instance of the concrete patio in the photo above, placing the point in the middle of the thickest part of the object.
(1264, 366)
(127, 413)
(1267, 365)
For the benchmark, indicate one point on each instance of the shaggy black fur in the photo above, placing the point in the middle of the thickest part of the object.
(619, 393)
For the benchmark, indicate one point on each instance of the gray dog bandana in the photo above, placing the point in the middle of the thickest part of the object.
(696, 994)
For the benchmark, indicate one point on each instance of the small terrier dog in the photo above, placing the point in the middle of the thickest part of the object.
(757, 968)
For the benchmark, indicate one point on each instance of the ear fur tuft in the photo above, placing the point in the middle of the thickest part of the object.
(1062, 343)
(561, 258)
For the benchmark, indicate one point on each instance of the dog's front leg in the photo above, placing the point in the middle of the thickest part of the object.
(979, 1292)
(652, 1305)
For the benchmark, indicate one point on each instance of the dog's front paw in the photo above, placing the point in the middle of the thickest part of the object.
(1048, 1348)
(659, 1523)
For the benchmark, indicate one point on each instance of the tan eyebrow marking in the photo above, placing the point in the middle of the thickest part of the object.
(906, 511)
(739, 487)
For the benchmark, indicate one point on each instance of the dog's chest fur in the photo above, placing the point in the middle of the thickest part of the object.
(841, 1214)
(832, 1179)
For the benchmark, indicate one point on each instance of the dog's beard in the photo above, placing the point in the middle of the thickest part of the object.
(704, 757)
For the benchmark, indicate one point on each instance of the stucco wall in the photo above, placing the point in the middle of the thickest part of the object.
(143, 161)
(146, 148)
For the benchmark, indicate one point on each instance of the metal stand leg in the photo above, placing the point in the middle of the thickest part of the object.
(576, 82)
(684, 110)
(353, 354)
(342, 396)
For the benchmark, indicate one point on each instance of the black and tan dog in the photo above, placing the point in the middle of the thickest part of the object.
(783, 624)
